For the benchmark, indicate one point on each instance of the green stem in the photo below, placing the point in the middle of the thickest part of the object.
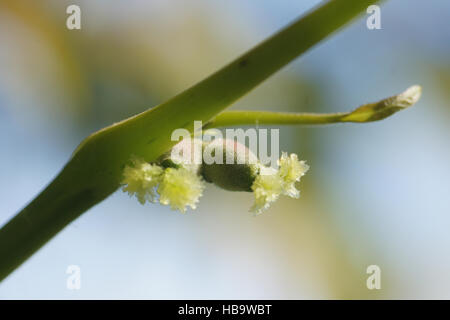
(237, 117)
(95, 169)
(365, 113)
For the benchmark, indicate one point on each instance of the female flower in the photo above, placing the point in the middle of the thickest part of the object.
(180, 184)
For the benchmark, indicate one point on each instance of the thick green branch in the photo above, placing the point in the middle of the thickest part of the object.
(366, 113)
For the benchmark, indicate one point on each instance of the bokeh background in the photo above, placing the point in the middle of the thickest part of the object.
(376, 193)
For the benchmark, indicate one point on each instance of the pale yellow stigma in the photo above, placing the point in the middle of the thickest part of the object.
(271, 183)
(180, 188)
(140, 179)
(291, 170)
(267, 187)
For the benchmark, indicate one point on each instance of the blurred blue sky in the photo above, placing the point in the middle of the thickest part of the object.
(385, 184)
